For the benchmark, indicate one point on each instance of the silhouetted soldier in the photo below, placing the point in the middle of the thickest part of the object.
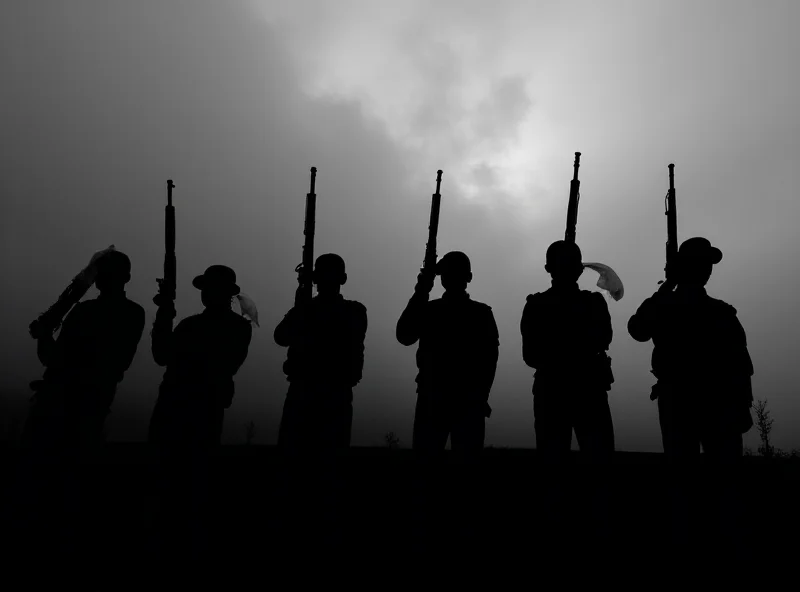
(702, 365)
(566, 332)
(202, 355)
(700, 360)
(325, 361)
(456, 358)
(94, 349)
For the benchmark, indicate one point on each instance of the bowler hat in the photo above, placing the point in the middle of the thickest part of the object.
(699, 248)
(217, 277)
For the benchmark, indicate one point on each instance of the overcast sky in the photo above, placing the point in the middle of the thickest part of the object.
(103, 101)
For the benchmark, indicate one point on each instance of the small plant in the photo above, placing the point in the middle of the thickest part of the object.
(764, 425)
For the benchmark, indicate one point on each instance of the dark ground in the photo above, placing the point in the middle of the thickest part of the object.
(379, 525)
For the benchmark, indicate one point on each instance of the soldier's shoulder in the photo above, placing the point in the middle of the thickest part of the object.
(537, 298)
(721, 307)
(355, 306)
(594, 297)
(190, 321)
(134, 308)
(481, 306)
(238, 320)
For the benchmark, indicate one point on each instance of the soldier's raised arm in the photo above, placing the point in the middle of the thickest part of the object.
(641, 325)
(409, 326)
(289, 328)
(162, 336)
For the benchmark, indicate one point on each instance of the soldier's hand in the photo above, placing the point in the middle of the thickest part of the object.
(425, 281)
(666, 286)
(166, 311)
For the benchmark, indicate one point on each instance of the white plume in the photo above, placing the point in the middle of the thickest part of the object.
(609, 280)
(248, 307)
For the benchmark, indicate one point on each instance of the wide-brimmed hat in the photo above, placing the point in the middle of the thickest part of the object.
(699, 248)
(454, 262)
(217, 277)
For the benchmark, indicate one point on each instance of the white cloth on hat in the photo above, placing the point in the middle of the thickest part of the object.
(248, 307)
(609, 280)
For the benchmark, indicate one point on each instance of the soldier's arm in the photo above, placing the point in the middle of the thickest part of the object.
(240, 348)
(163, 337)
(130, 342)
(641, 325)
(605, 332)
(45, 349)
(741, 361)
(531, 350)
(360, 335)
(287, 330)
(409, 326)
(50, 350)
(492, 352)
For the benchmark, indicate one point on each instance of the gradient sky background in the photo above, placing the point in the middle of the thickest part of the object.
(103, 101)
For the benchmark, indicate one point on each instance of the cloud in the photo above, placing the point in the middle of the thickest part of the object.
(451, 83)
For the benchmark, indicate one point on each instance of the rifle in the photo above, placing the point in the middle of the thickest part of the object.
(572, 206)
(305, 270)
(167, 284)
(429, 264)
(672, 227)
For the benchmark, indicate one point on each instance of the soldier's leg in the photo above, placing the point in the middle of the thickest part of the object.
(553, 426)
(291, 432)
(431, 427)
(594, 428)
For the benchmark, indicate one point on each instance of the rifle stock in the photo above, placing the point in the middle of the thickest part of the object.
(429, 263)
(167, 286)
(305, 270)
(572, 206)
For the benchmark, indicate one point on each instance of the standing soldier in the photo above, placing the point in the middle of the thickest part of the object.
(566, 333)
(701, 363)
(325, 337)
(94, 349)
(456, 358)
(202, 355)
(700, 360)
